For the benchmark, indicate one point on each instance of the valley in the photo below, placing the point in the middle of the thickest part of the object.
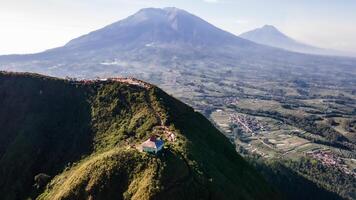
(286, 121)
(291, 115)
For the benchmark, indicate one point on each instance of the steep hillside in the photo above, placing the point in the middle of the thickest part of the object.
(63, 139)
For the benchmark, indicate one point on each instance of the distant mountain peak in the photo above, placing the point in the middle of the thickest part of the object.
(269, 35)
(174, 9)
(269, 30)
(160, 26)
(166, 9)
(269, 27)
(162, 11)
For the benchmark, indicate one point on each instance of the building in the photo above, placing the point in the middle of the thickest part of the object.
(152, 145)
(171, 137)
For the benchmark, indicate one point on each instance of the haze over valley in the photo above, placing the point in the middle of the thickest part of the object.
(287, 107)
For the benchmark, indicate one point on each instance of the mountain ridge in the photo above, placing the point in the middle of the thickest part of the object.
(79, 134)
(209, 78)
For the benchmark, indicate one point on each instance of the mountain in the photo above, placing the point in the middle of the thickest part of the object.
(153, 26)
(155, 40)
(271, 36)
(66, 139)
(303, 102)
(151, 37)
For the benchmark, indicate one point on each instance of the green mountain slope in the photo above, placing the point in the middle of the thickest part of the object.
(64, 139)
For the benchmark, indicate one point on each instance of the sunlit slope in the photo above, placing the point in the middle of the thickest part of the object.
(84, 135)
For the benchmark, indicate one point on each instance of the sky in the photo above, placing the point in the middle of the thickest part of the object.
(30, 26)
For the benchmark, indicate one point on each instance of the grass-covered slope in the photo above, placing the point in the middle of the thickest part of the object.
(61, 139)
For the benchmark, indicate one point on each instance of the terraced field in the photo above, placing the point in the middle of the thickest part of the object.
(309, 120)
(290, 127)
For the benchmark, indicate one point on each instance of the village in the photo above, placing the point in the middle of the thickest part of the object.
(274, 139)
(330, 159)
(248, 124)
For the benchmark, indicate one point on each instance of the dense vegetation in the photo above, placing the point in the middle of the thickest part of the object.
(292, 185)
(64, 139)
(328, 177)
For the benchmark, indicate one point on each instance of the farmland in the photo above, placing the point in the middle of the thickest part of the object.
(296, 119)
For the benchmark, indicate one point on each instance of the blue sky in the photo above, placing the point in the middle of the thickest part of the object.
(28, 26)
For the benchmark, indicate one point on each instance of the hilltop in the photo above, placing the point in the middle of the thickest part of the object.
(68, 139)
(278, 104)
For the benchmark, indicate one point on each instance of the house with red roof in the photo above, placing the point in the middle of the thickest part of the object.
(152, 145)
